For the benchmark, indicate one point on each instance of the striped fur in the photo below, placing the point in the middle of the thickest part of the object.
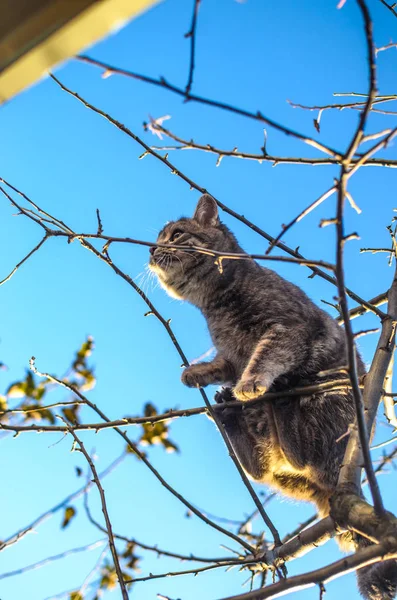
(269, 336)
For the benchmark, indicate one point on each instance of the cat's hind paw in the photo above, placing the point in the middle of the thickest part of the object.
(224, 395)
(249, 389)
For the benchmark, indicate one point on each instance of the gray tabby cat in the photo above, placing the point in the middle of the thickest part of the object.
(269, 336)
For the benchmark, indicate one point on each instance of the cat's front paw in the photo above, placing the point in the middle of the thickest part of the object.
(195, 376)
(249, 388)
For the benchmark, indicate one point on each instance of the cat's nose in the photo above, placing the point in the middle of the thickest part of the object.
(152, 250)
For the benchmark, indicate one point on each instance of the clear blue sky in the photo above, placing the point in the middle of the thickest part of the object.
(255, 55)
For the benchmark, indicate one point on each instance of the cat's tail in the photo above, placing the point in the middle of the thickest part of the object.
(377, 581)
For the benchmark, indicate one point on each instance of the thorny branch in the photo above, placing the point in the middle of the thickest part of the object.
(356, 106)
(260, 158)
(361, 558)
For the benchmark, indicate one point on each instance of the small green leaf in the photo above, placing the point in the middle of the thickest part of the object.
(108, 577)
(3, 403)
(39, 391)
(170, 446)
(29, 383)
(16, 390)
(20, 389)
(84, 352)
(34, 412)
(156, 433)
(70, 512)
(70, 413)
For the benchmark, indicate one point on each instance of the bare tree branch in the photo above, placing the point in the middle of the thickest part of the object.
(387, 47)
(257, 116)
(350, 472)
(8, 277)
(390, 7)
(309, 390)
(263, 157)
(373, 388)
(97, 481)
(361, 558)
(51, 559)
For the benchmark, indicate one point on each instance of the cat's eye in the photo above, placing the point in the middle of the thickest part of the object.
(176, 234)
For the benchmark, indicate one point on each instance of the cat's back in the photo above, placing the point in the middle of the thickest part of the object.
(251, 299)
(254, 297)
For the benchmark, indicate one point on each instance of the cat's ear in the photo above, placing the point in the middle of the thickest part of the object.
(206, 213)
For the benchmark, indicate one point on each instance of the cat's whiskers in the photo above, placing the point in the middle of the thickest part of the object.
(152, 230)
(140, 280)
(183, 268)
(149, 280)
(145, 279)
(192, 254)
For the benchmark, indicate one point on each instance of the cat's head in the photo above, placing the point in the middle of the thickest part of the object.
(184, 274)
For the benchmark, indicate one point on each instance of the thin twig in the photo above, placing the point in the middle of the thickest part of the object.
(364, 557)
(256, 116)
(387, 47)
(378, 300)
(97, 480)
(160, 552)
(309, 390)
(386, 459)
(50, 559)
(241, 563)
(301, 215)
(84, 586)
(260, 158)
(390, 7)
(192, 35)
(350, 105)
(45, 238)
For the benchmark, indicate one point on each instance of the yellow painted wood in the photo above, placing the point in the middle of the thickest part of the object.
(51, 31)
